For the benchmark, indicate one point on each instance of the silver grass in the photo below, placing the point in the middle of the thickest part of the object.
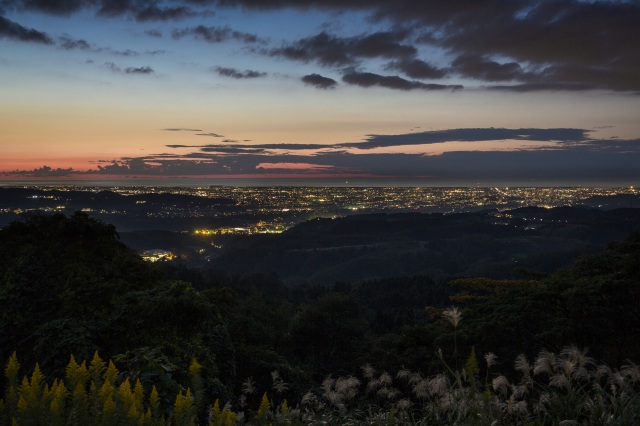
(545, 399)
(462, 404)
(597, 388)
(383, 392)
(453, 315)
(249, 386)
(294, 413)
(614, 389)
(415, 378)
(438, 385)
(522, 364)
(616, 379)
(421, 389)
(385, 379)
(373, 385)
(404, 404)
(521, 390)
(581, 373)
(368, 371)
(521, 407)
(377, 418)
(308, 399)
(567, 366)
(490, 359)
(347, 387)
(280, 387)
(559, 381)
(501, 383)
(631, 371)
(513, 406)
(393, 394)
(404, 374)
(327, 384)
(445, 402)
(242, 401)
(334, 397)
(576, 355)
(602, 371)
(544, 363)
(351, 382)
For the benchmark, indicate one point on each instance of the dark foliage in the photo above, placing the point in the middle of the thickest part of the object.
(68, 285)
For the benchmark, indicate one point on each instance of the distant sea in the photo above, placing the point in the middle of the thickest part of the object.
(311, 182)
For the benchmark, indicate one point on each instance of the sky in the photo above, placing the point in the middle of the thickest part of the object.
(469, 90)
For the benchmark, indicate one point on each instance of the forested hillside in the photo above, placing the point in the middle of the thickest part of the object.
(69, 286)
(488, 243)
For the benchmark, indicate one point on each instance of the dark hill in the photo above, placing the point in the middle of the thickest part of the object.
(487, 243)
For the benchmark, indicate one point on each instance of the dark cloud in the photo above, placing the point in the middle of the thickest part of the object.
(232, 72)
(13, 30)
(215, 34)
(319, 81)
(562, 164)
(69, 43)
(154, 33)
(154, 13)
(127, 52)
(139, 70)
(536, 87)
(44, 172)
(543, 45)
(417, 68)
(575, 158)
(517, 45)
(112, 66)
(142, 10)
(475, 66)
(285, 146)
(226, 149)
(213, 135)
(54, 7)
(473, 135)
(323, 48)
(381, 44)
(129, 70)
(181, 129)
(367, 79)
(614, 145)
(563, 136)
(330, 50)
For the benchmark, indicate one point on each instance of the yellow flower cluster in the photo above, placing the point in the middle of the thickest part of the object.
(89, 394)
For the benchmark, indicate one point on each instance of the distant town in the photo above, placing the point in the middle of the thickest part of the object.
(275, 209)
(198, 223)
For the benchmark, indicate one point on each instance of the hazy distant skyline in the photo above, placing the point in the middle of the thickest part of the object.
(470, 90)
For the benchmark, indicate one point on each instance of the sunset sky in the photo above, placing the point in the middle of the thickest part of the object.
(546, 91)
